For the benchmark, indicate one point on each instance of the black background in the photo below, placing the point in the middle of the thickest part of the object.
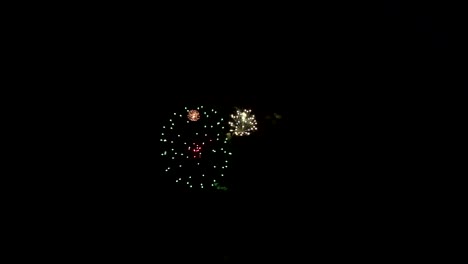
(349, 81)
(350, 84)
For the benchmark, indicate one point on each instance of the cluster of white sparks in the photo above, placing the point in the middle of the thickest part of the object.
(243, 123)
(196, 153)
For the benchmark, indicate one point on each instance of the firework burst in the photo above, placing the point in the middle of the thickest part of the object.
(243, 123)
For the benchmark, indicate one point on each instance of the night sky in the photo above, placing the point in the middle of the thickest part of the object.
(344, 87)
(350, 82)
(348, 88)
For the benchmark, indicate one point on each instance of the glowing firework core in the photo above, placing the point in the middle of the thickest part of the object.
(193, 115)
(196, 151)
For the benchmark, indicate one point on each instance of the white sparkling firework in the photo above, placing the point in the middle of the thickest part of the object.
(243, 123)
(196, 154)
